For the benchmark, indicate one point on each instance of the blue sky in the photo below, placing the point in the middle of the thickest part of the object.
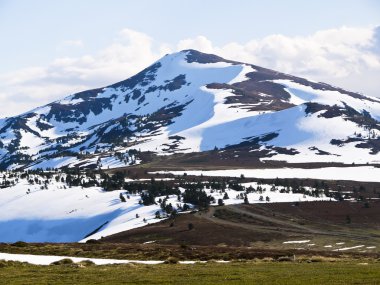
(50, 49)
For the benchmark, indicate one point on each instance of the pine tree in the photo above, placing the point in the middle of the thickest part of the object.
(122, 198)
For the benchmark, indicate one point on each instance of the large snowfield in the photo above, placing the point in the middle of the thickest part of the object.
(67, 215)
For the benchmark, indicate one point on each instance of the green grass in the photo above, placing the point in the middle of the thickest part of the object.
(210, 273)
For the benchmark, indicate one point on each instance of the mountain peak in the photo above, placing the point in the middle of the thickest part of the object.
(192, 55)
(199, 57)
(191, 101)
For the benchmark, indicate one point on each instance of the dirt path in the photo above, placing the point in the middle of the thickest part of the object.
(209, 215)
(279, 224)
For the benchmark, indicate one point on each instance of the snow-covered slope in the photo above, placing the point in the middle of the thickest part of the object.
(191, 101)
(41, 209)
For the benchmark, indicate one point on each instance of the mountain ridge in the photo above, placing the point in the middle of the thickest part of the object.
(190, 102)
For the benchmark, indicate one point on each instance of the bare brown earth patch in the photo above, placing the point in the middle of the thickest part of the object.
(266, 226)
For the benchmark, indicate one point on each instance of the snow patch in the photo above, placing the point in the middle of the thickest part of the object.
(296, 241)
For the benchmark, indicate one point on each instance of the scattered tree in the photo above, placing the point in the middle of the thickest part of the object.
(122, 198)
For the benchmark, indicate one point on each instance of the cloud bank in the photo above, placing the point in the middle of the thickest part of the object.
(347, 57)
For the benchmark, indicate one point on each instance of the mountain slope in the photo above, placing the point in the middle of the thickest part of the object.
(189, 102)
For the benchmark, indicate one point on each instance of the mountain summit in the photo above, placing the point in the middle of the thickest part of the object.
(193, 102)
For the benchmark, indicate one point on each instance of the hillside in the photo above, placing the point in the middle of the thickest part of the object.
(194, 102)
(73, 207)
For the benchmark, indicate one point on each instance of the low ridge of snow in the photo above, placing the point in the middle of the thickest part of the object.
(359, 173)
(49, 259)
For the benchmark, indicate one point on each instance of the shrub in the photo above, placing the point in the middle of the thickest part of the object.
(86, 263)
(65, 261)
(171, 260)
(20, 244)
(5, 263)
(285, 258)
(92, 241)
(316, 259)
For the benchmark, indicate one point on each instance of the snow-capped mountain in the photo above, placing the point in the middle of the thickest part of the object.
(190, 102)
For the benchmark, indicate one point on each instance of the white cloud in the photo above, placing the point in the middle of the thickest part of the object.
(346, 57)
(73, 43)
(199, 43)
(68, 45)
(27, 88)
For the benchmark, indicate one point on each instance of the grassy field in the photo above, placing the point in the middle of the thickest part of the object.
(162, 252)
(210, 273)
